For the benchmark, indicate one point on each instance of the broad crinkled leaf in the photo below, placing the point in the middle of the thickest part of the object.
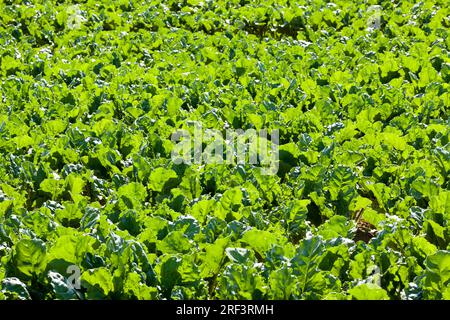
(29, 256)
(159, 177)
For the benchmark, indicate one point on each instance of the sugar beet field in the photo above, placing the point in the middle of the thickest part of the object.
(210, 150)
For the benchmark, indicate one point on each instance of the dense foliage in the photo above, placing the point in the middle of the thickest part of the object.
(91, 93)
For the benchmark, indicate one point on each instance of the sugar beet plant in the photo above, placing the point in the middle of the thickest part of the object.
(93, 206)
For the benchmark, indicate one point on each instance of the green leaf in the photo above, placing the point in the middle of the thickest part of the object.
(132, 194)
(336, 226)
(435, 232)
(29, 256)
(282, 284)
(76, 185)
(260, 241)
(425, 187)
(305, 265)
(173, 105)
(241, 282)
(308, 253)
(174, 242)
(394, 140)
(187, 225)
(159, 177)
(436, 279)
(368, 291)
(15, 288)
(23, 141)
(212, 257)
(232, 199)
(68, 250)
(54, 126)
(90, 218)
(238, 255)
(201, 209)
(441, 203)
(438, 264)
(98, 283)
(133, 288)
(169, 274)
(423, 247)
(52, 186)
